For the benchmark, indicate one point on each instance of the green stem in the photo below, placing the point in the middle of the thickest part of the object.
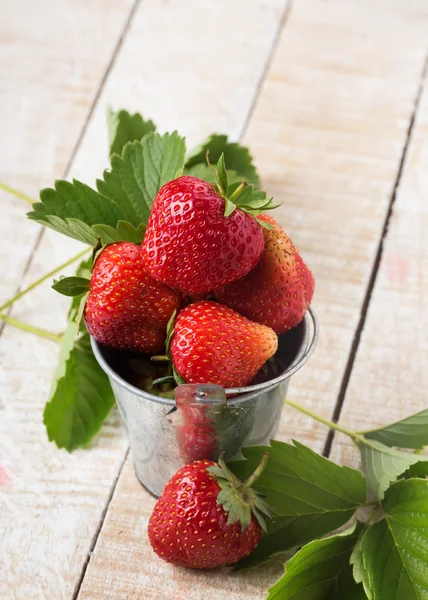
(10, 190)
(160, 358)
(252, 478)
(55, 337)
(238, 191)
(330, 424)
(39, 281)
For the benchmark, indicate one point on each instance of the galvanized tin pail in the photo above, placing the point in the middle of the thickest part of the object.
(165, 434)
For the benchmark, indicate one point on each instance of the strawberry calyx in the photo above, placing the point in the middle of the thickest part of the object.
(238, 498)
(240, 194)
(176, 377)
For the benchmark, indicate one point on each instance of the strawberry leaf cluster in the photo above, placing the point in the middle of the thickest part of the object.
(383, 553)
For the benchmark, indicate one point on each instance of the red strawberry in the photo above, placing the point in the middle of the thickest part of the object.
(197, 431)
(197, 438)
(191, 245)
(278, 291)
(126, 308)
(193, 526)
(213, 344)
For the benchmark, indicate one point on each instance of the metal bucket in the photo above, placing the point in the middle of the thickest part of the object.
(164, 434)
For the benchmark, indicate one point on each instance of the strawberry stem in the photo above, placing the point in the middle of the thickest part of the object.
(252, 478)
(352, 434)
(160, 358)
(55, 337)
(239, 190)
(10, 190)
(42, 279)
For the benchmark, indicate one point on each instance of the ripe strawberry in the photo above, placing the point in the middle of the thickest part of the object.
(191, 245)
(197, 438)
(278, 291)
(197, 431)
(206, 517)
(213, 344)
(126, 308)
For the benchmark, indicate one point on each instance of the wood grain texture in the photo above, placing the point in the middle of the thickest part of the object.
(328, 132)
(52, 502)
(53, 54)
(389, 379)
(190, 66)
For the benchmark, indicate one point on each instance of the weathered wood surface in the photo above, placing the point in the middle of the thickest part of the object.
(390, 378)
(50, 74)
(51, 502)
(328, 132)
(190, 66)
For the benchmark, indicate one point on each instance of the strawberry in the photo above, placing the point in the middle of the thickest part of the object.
(206, 517)
(197, 438)
(198, 237)
(213, 344)
(278, 291)
(126, 308)
(197, 432)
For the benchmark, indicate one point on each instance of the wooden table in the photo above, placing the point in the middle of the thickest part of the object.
(330, 96)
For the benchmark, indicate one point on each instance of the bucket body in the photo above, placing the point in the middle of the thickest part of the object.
(203, 420)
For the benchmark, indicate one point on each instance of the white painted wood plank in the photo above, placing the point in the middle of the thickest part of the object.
(189, 65)
(389, 379)
(53, 54)
(327, 133)
(59, 498)
(50, 75)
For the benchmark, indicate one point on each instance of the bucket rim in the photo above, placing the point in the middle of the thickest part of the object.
(303, 354)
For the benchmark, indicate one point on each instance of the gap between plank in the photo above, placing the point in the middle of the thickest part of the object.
(98, 531)
(281, 26)
(375, 269)
(80, 138)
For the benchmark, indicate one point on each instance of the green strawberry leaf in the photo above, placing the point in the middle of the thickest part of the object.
(418, 470)
(170, 332)
(80, 312)
(81, 397)
(73, 208)
(129, 233)
(392, 558)
(239, 194)
(310, 495)
(122, 206)
(136, 177)
(321, 571)
(107, 234)
(382, 465)
(223, 180)
(358, 569)
(203, 171)
(238, 157)
(179, 380)
(411, 432)
(124, 127)
(124, 232)
(72, 286)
